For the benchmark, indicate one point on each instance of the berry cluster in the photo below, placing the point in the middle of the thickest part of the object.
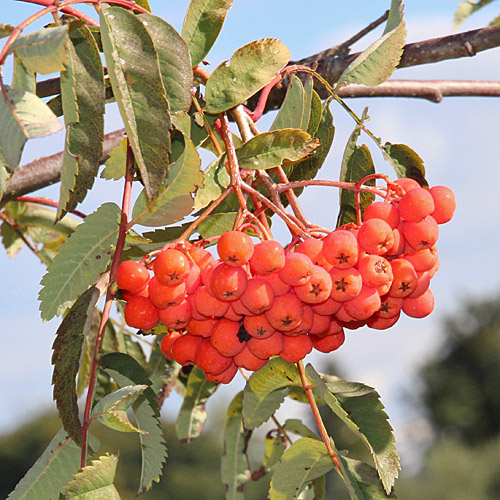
(260, 300)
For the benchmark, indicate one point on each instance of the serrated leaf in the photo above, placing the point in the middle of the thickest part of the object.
(52, 471)
(296, 426)
(235, 469)
(306, 460)
(270, 149)
(43, 51)
(266, 390)
(6, 30)
(115, 166)
(83, 98)
(67, 349)
(360, 408)
(4, 175)
(362, 480)
(80, 261)
(112, 408)
(126, 371)
(202, 25)
(95, 481)
(251, 68)
(406, 162)
(377, 63)
(215, 180)
(11, 240)
(465, 9)
(134, 72)
(175, 62)
(22, 77)
(193, 414)
(44, 218)
(175, 200)
(24, 117)
(294, 112)
(217, 223)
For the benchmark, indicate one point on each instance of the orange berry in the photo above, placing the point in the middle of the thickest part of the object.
(257, 326)
(264, 348)
(320, 324)
(208, 305)
(297, 269)
(340, 248)
(140, 313)
(313, 248)
(232, 314)
(132, 276)
(405, 278)
(176, 317)
(184, 349)
(382, 210)
(328, 343)
(317, 289)
(416, 204)
(375, 236)
(364, 305)
(268, 257)
(424, 280)
(201, 327)
(407, 183)
(346, 284)
(305, 324)
(375, 270)
(238, 308)
(165, 296)
(379, 323)
(166, 343)
(246, 359)
(235, 248)
(171, 267)
(258, 296)
(330, 306)
(423, 234)
(398, 247)
(210, 360)
(423, 260)
(390, 307)
(227, 282)
(421, 306)
(193, 280)
(286, 312)
(229, 337)
(126, 295)
(201, 257)
(295, 348)
(279, 287)
(444, 203)
(225, 377)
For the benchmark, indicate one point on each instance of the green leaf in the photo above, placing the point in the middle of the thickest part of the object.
(24, 117)
(95, 481)
(215, 180)
(175, 200)
(266, 390)
(44, 51)
(11, 240)
(465, 9)
(22, 77)
(359, 407)
(112, 408)
(42, 217)
(270, 149)
(115, 166)
(274, 447)
(66, 359)
(6, 30)
(83, 96)
(202, 25)
(406, 162)
(52, 471)
(175, 62)
(126, 371)
(316, 114)
(377, 63)
(193, 415)
(362, 480)
(80, 261)
(294, 112)
(251, 68)
(235, 469)
(4, 175)
(295, 426)
(216, 224)
(306, 460)
(134, 72)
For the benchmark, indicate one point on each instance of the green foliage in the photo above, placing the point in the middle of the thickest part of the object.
(82, 92)
(251, 68)
(202, 25)
(235, 469)
(193, 414)
(116, 164)
(133, 68)
(44, 51)
(296, 108)
(55, 467)
(66, 359)
(406, 162)
(94, 481)
(6, 30)
(22, 77)
(80, 261)
(467, 8)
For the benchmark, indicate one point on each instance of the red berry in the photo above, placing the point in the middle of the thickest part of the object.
(229, 337)
(176, 317)
(364, 305)
(340, 248)
(140, 313)
(444, 203)
(171, 267)
(286, 312)
(416, 204)
(407, 183)
(210, 360)
(313, 248)
(257, 326)
(297, 269)
(375, 236)
(167, 341)
(184, 349)
(227, 282)
(165, 296)
(419, 307)
(328, 343)
(225, 377)
(258, 296)
(208, 305)
(296, 348)
(246, 359)
(375, 270)
(235, 248)
(132, 276)
(317, 289)
(201, 327)
(382, 210)
(264, 348)
(405, 278)
(268, 257)
(346, 284)
(423, 234)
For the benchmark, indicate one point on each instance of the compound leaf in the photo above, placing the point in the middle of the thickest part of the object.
(44, 51)
(80, 261)
(235, 469)
(134, 72)
(360, 408)
(306, 460)
(95, 481)
(193, 415)
(66, 359)
(83, 94)
(202, 25)
(251, 68)
(266, 390)
(52, 471)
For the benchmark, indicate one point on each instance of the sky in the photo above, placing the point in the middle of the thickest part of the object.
(457, 139)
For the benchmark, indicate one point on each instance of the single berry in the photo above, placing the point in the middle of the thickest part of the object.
(279, 287)
(227, 338)
(375, 236)
(346, 284)
(295, 348)
(140, 313)
(246, 359)
(201, 327)
(227, 282)
(375, 270)
(176, 317)
(235, 248)
(407, 183)
(379, 323)
(330, 306)
(210, 360)
(166, 343)
(364, 305)
(416, 204)
(320, 324)
(165, 296)
(405, 278)
(317, 289)
(201, 257)
(132, 276)
(423, 260)
(268, 257)
(258, 296)
(419, 307)
(264, 348)
(225, 377)
(313, 248)
(208, 305)
(286, 312)
(305, 324)
(423, 234)
(257, 326)
(382, 210)
(444, 203)
(297, 269)
(328, 343)
(340, 248)
(184, 349)
(171, 267)
(390, 307)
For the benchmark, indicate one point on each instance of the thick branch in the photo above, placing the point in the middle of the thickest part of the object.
(47, 170)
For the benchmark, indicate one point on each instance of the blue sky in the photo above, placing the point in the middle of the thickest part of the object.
(457, 140)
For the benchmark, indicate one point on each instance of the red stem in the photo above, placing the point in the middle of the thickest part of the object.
(47, 202)
(127, 192)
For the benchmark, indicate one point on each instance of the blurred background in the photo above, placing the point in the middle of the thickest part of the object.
(438, 377)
